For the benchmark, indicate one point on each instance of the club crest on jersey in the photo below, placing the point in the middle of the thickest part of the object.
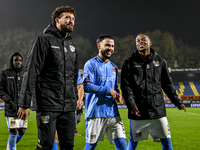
(12, 123)
(45, 119)
(156, 63)
(113, 70)
(93, 136)
(72, 48)
(138, 134)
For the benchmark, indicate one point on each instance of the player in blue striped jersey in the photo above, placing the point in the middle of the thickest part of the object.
(100, 83)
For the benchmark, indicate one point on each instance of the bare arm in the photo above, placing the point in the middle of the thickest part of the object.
(80, 96)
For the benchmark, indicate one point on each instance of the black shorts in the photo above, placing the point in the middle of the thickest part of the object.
(48, 122)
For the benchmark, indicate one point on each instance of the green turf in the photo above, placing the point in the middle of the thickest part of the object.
(185, 131)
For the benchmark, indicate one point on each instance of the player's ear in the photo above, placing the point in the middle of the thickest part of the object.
(99, 46)
(56, 19)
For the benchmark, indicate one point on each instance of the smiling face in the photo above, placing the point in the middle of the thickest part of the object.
(65, 22)
(143, 43)
(106, 48)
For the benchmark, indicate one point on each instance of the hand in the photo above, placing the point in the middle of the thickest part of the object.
(135, 111)
(119, 98)
(79, 105)
(113, 93)
(182, 107)
(23, 113)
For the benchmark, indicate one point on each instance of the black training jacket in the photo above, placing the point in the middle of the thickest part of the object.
(51, 72)
(10, 84)
(142, 83)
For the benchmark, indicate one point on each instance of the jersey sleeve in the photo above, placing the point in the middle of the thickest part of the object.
(33, 66)
(79, 81)
(88, 74)
(116, 81)
(4, 95)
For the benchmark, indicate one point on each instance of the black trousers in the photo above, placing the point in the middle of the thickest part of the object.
(48, 122)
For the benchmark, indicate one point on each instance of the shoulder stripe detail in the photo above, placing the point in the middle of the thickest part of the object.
(88, 81)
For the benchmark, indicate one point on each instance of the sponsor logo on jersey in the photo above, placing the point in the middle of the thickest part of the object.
(65, 49)
(72, 48)
(113, 70)
(10, 77)
(56, 47)
(137, 66)
(156, 63)
(105, 78)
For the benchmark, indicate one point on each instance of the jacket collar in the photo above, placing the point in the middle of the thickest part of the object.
(136, 55)
(52, 29)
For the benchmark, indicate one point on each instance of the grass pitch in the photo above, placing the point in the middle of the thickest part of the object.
(185, 131)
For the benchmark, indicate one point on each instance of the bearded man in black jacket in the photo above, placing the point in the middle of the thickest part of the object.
(144, 74)
(51, 73)
(10, 85)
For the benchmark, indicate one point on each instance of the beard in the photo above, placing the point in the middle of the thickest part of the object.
(65, 28)
(103, 52)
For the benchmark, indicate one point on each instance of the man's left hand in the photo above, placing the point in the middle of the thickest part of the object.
(23, 113)
(119, 98)
(182, 107)
(79, 105)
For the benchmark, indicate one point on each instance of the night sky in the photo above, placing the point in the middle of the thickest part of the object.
(116, 17)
